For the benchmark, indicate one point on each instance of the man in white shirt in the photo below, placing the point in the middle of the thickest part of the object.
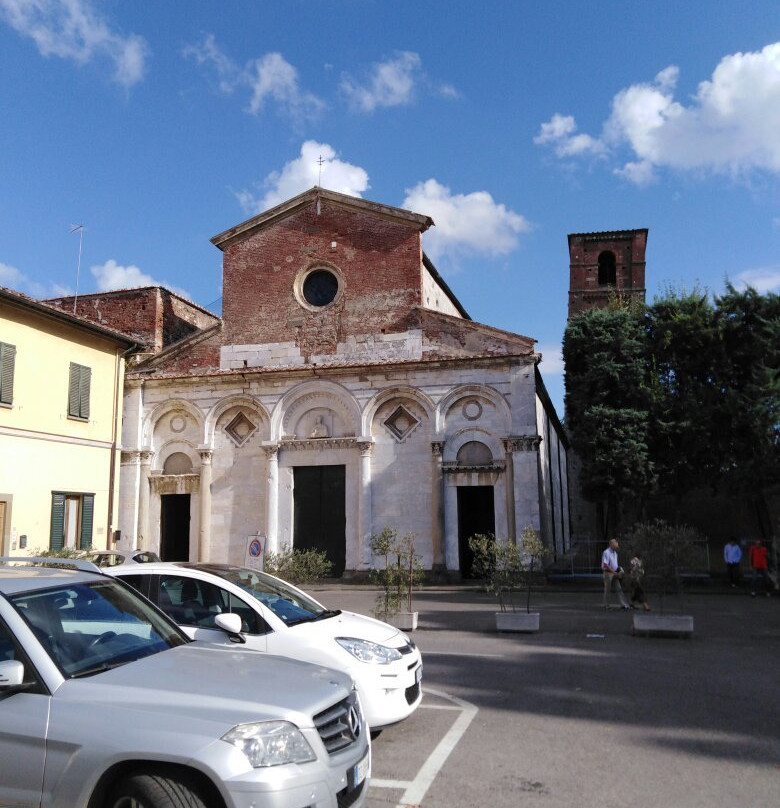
(612, 574)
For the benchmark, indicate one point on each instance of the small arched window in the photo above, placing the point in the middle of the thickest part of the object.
(177, 463)
(607, 269)
(475, 453)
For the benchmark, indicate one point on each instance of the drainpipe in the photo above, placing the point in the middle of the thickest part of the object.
(119, 359)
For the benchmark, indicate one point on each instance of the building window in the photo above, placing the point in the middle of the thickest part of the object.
(71, 521)
(318, 287)
(607, 269)
(78, 391)
(7, 362)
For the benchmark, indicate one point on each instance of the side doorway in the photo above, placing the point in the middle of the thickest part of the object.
(175, 527)
(476, 514)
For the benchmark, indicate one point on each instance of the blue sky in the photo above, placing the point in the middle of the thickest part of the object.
(159, 124)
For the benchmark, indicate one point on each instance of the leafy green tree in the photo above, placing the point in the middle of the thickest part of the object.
(607, 403)
(749, 384)
(686, 425)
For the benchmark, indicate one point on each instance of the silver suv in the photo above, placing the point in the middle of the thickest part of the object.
(105, 703)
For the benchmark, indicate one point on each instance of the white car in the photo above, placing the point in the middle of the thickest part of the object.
(105, 703)
(278, 618)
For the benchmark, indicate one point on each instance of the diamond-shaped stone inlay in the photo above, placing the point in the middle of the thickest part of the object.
(240, 429)
(401, 422)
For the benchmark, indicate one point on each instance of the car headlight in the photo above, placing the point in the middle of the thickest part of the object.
(270, 743)
(367, 651)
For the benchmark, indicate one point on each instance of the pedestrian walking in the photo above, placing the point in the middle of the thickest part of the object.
(612, 572)
(636, 573)
(732, 555)
(758, 556)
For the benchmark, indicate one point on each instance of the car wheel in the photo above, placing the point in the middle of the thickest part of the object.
(156, 791)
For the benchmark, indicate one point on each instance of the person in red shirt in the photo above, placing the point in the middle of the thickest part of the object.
(758, 556)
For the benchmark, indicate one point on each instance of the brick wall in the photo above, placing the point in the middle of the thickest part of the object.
(628, 247)
(379, 261)
(151, 315)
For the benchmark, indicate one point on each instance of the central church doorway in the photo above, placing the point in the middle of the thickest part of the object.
(175, 527)
(319, 512)
(476, 514)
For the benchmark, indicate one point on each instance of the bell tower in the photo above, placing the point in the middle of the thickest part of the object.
(605, 264)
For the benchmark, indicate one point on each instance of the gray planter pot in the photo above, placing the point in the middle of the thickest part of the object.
(524, 622)
(406, 621)
(663, 625)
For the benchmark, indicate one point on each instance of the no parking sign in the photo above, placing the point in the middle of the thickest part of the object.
(255, 552)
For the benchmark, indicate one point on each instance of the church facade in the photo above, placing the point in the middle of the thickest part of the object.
(344, 389)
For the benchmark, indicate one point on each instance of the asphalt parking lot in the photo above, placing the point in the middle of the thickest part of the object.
(584, 713)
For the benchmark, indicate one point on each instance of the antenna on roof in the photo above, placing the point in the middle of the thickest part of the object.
(80, 229)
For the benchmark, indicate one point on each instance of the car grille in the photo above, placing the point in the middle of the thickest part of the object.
(346, 798)
(412, 693)
(340, 725)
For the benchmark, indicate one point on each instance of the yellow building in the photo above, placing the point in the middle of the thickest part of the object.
(61, 380)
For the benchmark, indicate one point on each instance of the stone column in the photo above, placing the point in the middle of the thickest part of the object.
(142, 533)
(510, 446)
(204, 533)
(437, 508)
(364, 483)
(272, 499)
(528, 494)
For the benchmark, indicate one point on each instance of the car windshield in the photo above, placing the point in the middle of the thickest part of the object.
(93, 626)
(286, 602)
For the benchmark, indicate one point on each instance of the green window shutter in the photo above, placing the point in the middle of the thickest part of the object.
(57, 530)
(7, 362)
(79, 381)
(87, 514)
(84, 386)
(73, 390)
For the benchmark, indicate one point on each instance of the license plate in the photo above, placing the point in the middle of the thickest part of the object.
(360, 771)
(418, 675)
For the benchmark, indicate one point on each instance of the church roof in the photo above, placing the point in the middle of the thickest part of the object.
(46, 309)
(281, 211)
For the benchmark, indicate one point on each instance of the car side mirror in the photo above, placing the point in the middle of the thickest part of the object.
(11, 674)
(231, 624)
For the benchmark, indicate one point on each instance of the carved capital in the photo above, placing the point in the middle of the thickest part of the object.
(522, 443)
(205, 456)
(145, 457)
(271, 451)
(365, 447)
(437, 447)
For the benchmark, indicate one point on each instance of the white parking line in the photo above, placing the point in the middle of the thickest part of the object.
(453, 653)
(415, 790)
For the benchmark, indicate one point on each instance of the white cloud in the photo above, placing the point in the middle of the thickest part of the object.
(209, 53)
(13, 278)
(111, 275)
(552, 359)
(301, 174)
(271, 78)
(465, 223)
(730, 126)
(765, 279)
(73, 29)
(390, 84)
(560, 131)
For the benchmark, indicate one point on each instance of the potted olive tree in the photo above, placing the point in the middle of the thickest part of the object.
(508, 567)
(668, 553)
(397, 571)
